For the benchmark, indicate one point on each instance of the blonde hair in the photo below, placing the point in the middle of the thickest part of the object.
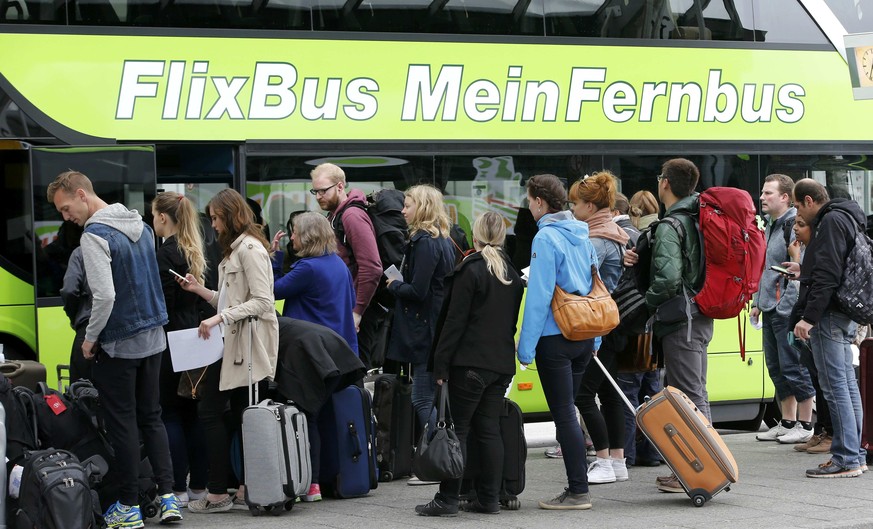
(314, 234)
(69, 182)
(489, 231)
(430, 212)
(332, 171)
(641, 204)
(188, 235)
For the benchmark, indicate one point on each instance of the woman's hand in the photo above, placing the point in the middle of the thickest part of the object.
(188, 283)
(276, 238)
(206, 326)
(439, 382)
(794, 268)
(794, 250)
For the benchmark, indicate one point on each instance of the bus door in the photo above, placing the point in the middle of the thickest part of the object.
(120, 173)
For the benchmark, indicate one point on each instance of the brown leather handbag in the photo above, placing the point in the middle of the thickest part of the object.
(637, 356)
(584, 317)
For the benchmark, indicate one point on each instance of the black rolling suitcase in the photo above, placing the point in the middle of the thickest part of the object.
(514, 459)
(392, 406)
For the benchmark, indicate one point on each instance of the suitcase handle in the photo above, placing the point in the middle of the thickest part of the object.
(356, 443)
(12, 369)
(682, 447)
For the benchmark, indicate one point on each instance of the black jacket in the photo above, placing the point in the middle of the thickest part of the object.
(183, 308)
(313, 362)
(477, 323)
(821, 271)
(427, 261)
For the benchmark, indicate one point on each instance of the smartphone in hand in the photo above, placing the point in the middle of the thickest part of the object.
(180, 276)
(781, 270)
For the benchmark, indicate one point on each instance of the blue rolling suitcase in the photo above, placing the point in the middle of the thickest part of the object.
(348, 455)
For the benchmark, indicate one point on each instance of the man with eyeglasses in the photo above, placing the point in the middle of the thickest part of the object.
(357, 245)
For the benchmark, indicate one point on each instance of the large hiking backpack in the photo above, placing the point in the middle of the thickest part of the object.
(385, 209)
(734, 251)
(55, 493)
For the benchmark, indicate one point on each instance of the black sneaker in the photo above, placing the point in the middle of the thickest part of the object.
(475, 506)
(832, 470)
(567, 500)
(436, 508)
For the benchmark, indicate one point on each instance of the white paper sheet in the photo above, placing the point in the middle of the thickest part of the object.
(393, 273)
(188, 351)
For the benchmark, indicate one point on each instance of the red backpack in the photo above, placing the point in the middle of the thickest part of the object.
(734, 251)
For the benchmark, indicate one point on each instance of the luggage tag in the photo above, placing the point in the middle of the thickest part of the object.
(55, 404)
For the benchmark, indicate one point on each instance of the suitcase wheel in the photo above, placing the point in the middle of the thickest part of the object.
(150, 510)
(513, 504)
(698, 500)
(254, 510)
(386, 476)
(290, 504)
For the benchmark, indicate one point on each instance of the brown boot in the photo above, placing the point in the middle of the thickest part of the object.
(824, 447)
(814, 441)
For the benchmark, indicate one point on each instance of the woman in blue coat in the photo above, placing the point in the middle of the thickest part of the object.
(318, 288)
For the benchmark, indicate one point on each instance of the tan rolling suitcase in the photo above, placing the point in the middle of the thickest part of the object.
(692, 448)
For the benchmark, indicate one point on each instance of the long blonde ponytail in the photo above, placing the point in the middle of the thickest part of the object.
(188, 234)
(489, 232)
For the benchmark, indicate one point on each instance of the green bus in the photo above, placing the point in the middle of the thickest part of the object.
(473, 96)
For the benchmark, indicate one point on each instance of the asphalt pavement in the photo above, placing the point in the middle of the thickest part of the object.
(772, 492)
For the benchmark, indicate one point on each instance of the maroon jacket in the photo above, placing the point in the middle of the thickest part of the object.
(363, 259)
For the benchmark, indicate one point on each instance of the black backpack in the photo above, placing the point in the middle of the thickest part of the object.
(459, 241)
(55, 493)
(385, 211)
(21, 433)
(855, 294)
(69, 421)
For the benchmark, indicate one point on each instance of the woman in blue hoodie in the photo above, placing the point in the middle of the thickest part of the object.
(561, 255)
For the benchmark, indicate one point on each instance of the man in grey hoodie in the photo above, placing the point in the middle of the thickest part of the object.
(773, 304)
(124, 337)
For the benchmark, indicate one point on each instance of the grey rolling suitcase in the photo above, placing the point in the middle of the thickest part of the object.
(275, 443)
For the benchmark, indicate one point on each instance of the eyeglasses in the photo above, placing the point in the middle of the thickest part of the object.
(321, 192)
(660, 177)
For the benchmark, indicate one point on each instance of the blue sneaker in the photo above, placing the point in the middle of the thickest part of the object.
(120, 516)
(170, 509)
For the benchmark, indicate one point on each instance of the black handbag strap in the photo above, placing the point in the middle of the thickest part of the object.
(442, 406)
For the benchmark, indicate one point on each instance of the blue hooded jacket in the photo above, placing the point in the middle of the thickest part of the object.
(561, 254)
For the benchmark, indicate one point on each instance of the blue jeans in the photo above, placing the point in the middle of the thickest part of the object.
(788, 374)
(637, 386)
(830, 341)
(560, 365)
(423, 387)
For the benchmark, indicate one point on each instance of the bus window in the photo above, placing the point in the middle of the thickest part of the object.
(786, 21)
(119, 174)
(280, 184)
(844, 176)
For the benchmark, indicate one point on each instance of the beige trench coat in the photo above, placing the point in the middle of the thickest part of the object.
(247, 274)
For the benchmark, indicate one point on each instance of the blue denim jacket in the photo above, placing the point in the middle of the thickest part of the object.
(139, 300)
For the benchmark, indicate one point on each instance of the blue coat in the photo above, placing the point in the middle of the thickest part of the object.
(318, 290)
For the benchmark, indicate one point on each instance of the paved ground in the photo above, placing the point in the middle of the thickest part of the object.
(772, 493)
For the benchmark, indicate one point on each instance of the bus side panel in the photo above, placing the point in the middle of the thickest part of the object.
(55, 340)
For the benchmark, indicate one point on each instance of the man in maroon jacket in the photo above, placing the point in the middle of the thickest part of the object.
(358, 249)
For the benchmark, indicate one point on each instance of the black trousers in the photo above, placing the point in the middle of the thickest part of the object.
(606, 424)
(476, 400)
(130, 408)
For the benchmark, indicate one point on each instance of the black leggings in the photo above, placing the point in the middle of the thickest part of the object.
(606, 424)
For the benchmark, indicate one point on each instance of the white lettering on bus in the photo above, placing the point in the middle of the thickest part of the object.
(309, 108)
(197, 90)
(532, 92)
(612, 100)
(510, 103)
(227, 94)
(788, 98)
(446, 90)
(273, 80)
(174, 90)
(481, 93)
(579, 92)
(715, 90)
(647, 104)
(364, 104)
(132, 87)
(678, 91)
(764, 112)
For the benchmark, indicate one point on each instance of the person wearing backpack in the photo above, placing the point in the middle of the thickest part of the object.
(773, 304)
(357, 248)
(676, 273)
(817, 319)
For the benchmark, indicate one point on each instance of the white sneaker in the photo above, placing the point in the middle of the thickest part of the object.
(773, 433)
(796, 435)
(182, 498)
(554, 452)
(619, 467)
(600, 471)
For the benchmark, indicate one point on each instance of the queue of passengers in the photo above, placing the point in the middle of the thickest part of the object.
(472, 348)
